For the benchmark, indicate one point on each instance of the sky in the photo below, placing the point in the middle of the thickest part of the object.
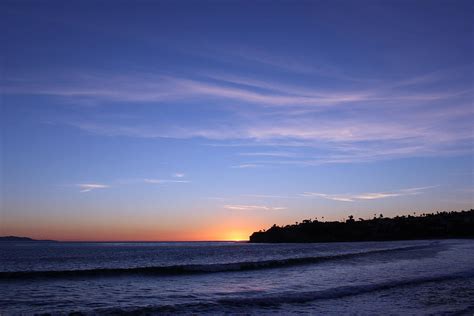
(208, 120)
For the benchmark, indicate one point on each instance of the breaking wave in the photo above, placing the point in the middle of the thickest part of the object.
(278, 299)
(199, 268)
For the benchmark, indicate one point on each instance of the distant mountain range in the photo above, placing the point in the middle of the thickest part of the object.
(426, 226)
(22, 239)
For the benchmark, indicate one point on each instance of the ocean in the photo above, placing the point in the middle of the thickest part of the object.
(427, 277)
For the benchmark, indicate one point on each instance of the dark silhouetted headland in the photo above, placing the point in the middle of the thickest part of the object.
(427, 226)
(25, 239)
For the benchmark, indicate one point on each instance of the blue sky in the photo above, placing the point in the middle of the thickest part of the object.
(209, 120)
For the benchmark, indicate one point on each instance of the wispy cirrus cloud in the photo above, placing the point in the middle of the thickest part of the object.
(147, 87)
(300, 65)
(342, 122)
(355, 139)
(240, 207)
(164, 181)
(157, 88)
(270, 196)
(335, 197)
(87, 187)
(368, 195)
(179, 175)
(270, 154)
(245, 166)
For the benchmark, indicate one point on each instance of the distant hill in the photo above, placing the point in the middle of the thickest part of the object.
(22, 239)
(427, 226)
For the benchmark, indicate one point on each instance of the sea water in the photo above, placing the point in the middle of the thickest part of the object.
(402, 277)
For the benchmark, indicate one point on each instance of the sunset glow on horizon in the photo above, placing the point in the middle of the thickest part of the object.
(187, 121)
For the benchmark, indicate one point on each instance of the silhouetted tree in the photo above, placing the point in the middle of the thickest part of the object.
(439, 225)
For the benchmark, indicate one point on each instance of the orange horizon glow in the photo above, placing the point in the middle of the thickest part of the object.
(230, 237)
(222, 227)
(88, 234)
